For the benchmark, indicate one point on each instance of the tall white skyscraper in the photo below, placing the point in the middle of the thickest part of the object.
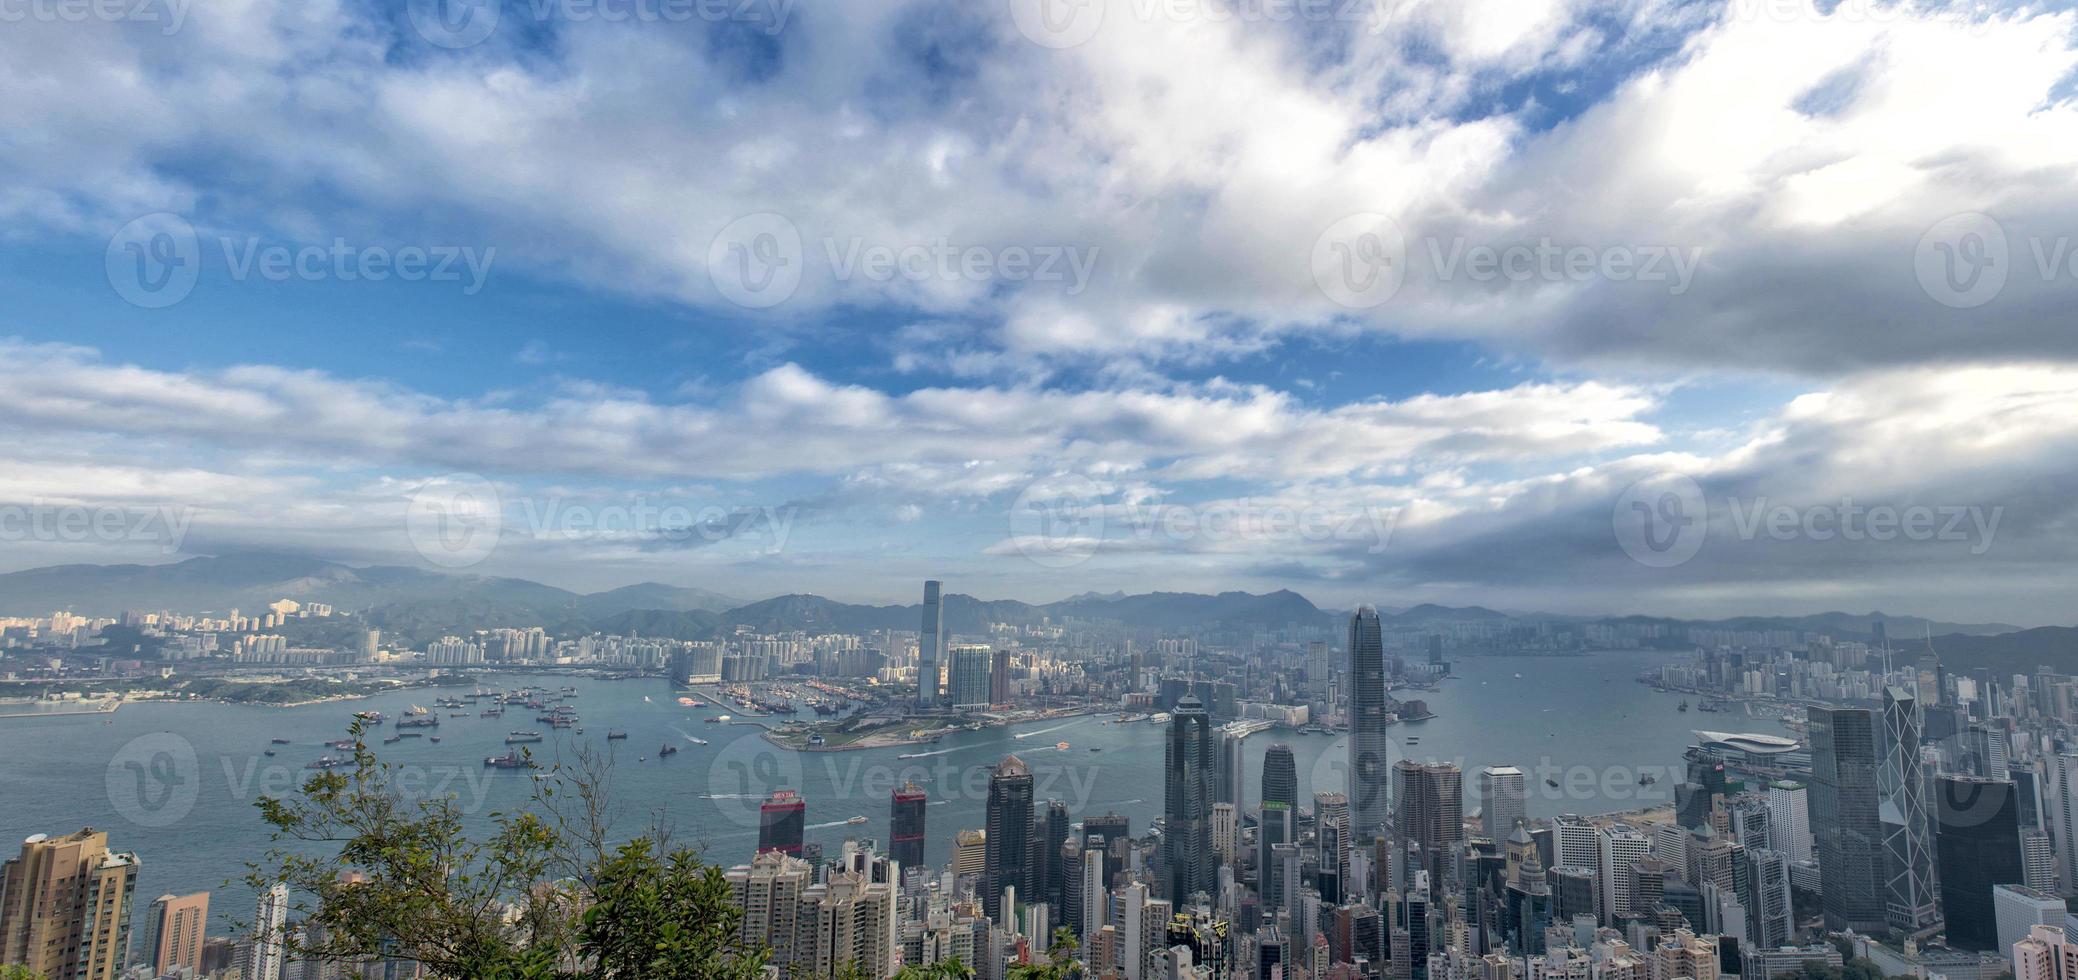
(269, 946)
(1502, 794)
(1789, 820)
(1621, 847)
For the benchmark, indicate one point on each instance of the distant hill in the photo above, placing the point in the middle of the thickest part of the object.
(414, 605)
(250, 581)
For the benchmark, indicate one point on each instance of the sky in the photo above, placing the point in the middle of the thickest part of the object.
(1677, 308)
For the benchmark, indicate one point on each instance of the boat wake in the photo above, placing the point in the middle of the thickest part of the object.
(1042, 731)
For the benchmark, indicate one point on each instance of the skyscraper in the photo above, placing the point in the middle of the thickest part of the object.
(1009, 842)
(999, 677)
(1502, 794)
(1187, 856)
(1429, 811)
(65, 907)
(1979, 847)
(268, 951)
(174, 927)
(1367, 744)
(930, 645)
(1844, 818)
(1280, 776)
(782, 820)
(1909, 859)
(967, 682)
(906, 826)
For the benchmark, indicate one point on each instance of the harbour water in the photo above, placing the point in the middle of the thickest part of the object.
(176, 782)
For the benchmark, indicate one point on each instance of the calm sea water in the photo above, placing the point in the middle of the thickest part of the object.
(176, 782)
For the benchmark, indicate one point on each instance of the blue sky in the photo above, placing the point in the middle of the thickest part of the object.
(1397, 307)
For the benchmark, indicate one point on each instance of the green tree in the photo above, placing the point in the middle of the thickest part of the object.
(1060, 962)
(13, 972)
(544, 895)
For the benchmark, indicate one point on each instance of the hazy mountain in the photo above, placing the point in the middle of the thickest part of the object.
(250, 581)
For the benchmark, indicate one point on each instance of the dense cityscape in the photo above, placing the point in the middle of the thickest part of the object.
(1915, 818)
(1038, 490)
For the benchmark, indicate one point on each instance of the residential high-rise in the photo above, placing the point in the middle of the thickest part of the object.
(2045, 955)
(1367, 718)
(1429, 811)
(1226, 833)
(269, 950)
(1280, 776)
(1846, 827)
(848, 920)
(1503, 792)
(1187, 853)
(65, 907)
(967, 684)
(1909, 859)
(1978, 841)
(782, 822)
(930, 647)
(1009, 843)
(173, 930)
(906, 826)
(768, 890)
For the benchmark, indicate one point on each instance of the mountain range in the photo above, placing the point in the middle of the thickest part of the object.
(414, 605)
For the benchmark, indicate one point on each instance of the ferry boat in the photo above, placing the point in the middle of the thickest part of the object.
(696, 741)
(855, 821)
(520, 738)
(510, 760)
